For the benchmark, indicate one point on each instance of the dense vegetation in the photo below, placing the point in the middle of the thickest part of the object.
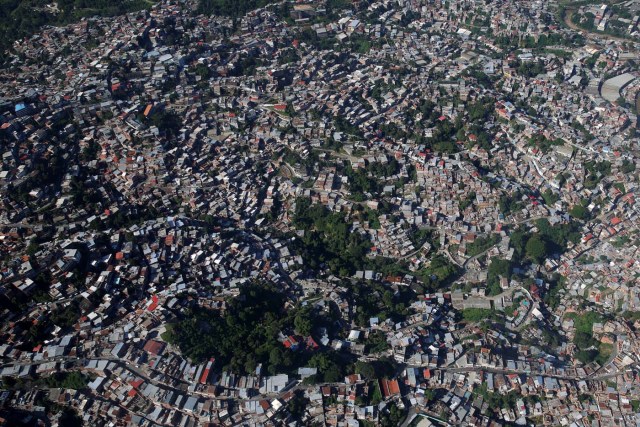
(540, 142)
(497, 268)
(244, 337)
(373, 300)
(247, 334)
(68, 380)
(327, 239)
(482, 244)
(589, 349)
(545, 242)
(439, 274)
(556, 285)
(597, 172)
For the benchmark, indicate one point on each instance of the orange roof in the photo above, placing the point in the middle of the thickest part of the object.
(389, 387)
(148, 110)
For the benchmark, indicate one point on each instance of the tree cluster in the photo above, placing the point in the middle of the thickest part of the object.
(327, 239)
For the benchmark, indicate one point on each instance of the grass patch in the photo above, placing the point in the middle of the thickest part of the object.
(478, 314)
(482, 244)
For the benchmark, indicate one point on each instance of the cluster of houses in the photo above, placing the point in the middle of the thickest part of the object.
(155, 163)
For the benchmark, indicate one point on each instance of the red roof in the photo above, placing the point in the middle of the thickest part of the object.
(389, 387)
(290, 342)
(312, 344)
(154, 347)
(154, 303)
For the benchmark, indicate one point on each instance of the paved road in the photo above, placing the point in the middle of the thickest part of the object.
(505, 371)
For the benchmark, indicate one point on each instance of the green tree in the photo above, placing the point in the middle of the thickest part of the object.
(69, 418)
(536, 249)
(303, 321)
(333, 374)
(578, 211)
(393, 417)
(628, 166)
(366, 370)
(297, 405)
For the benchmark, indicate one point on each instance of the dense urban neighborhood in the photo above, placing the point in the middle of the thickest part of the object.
(320, 213)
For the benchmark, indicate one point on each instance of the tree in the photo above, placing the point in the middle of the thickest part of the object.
(33, 248)
(69, 418)
(330, 367)
(497, 268)
(275, 357)
(393, 417)
(366, 370)
(203, 71)
(298, 404)
(254, 318)
(628, 166)
(578, 211)
(429, 395)
(333, 374)
(583, 340)
(303, 322)
(549, 197)
(536, 249)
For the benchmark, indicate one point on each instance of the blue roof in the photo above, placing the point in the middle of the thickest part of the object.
(20, 106)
